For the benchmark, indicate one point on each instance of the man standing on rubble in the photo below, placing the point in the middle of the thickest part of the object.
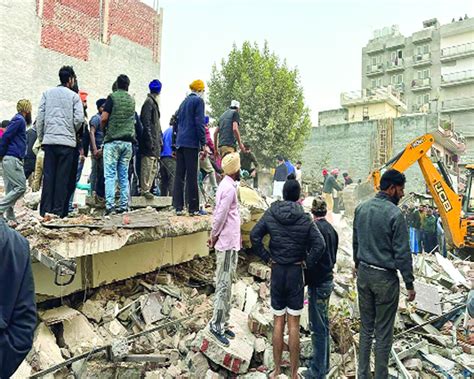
(190, 139)
(151, 139)
(225, 237)
(227, 134)
(319, 278)
(96, 142)
(119, 116)
(60, 117)
(380, 248)
(12, 152)
(17, 300)
(294, 240)
(330, 185)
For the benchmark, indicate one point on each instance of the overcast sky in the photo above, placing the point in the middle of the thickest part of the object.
(323, 38)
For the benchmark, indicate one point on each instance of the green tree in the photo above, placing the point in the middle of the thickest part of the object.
(274, 118)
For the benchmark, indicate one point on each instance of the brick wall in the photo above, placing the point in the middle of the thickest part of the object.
(99, 43)
(350, 147)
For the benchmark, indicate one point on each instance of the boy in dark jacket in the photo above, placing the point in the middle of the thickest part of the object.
(320, 285)
(151, 139)
(294, 240)
(12, 152)
(17, 300)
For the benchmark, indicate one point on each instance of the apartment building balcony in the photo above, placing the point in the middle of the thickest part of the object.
(395, 66)
(421, 59)
(457, 105)
(421, 84)
(420, 108)
(457, 78)
(371, 96)
(455, 52)
(375, 69)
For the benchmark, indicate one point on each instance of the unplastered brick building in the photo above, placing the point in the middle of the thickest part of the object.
(99, 38)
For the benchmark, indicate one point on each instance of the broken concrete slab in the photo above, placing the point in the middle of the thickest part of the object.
(237, 356)
(58, 315)
(79, 335)
(151, 306)
(260, 320)
(45, 352)
(23, 371)
(197, 363)
(260, 270)
(413, 364)
(93, 310)
(239, 290)
(428, 298)
(452, 271)
(251, 299)
(155, 202)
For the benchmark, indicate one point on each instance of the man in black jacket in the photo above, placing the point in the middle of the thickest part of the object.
(294, 240)
(320, 285)
(17, 300)
(151, 139)
(380, 248)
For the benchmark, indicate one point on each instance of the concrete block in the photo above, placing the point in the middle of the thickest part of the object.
(93, 310)
(413, 364)
(260, 320)
(260, 270)
(237, 356)
(156, 202)
(45, 351)
(80, 336)
(251, 298)
(239, 290)
(197, 363)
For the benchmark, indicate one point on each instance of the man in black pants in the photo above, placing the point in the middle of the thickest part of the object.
(294, 240)
(190, 138)
(380, 248)
(60, 116)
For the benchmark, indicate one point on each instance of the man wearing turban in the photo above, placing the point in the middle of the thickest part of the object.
(12, 153)
(225, 238)
(190, 139)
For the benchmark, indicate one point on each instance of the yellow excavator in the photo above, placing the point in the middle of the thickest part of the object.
(456, 211)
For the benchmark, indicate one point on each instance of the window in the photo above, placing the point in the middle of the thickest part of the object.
(423, 74)
(376, 60)
(396, 79)
(376, 83)
(423, 99)
(422, 49)
(395, 56)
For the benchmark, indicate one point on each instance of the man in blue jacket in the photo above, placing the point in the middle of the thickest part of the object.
(12, 153)
(17, 300)
(190, 138)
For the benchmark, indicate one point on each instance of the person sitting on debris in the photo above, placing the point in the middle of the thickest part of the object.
(279, 178)
(225, 237)
(319, 278)
(17, 300)
(294, 240)
(119, 116)
(380, 248)
(190, 139)
(151, 139)
(12, 152)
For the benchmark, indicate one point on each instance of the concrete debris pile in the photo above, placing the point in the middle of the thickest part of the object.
(156, 325)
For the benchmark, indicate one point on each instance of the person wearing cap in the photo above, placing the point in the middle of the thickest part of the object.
(225, 239)
(227, 135)
(380, 248)
(330, 185)
(96, 145)
(190, 139)
(294, 241)
(60, 117)
(12, 153)
(279, 178)
(151, 139)
(319, 278)
(119, 116)
(347, 179)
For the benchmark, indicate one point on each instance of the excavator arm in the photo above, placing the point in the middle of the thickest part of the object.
(446, 199)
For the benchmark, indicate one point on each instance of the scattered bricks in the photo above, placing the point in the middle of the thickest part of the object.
(236, 357)
(413, 364)
(260, 320)
(260, 270)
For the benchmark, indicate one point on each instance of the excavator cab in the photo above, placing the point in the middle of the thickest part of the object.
(468, 200)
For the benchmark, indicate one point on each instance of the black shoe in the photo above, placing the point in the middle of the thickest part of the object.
(110, 212)
(229, 334)
(221, 338)
(122, 210)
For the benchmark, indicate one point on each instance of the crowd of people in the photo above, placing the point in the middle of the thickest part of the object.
(129, 151)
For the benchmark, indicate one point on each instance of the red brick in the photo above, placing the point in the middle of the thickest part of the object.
(88, 7)
(205, 345)
(65, 42)
(227, 360)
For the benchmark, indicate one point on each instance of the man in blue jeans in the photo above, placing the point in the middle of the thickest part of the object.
(320, 285)
(119, 116)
